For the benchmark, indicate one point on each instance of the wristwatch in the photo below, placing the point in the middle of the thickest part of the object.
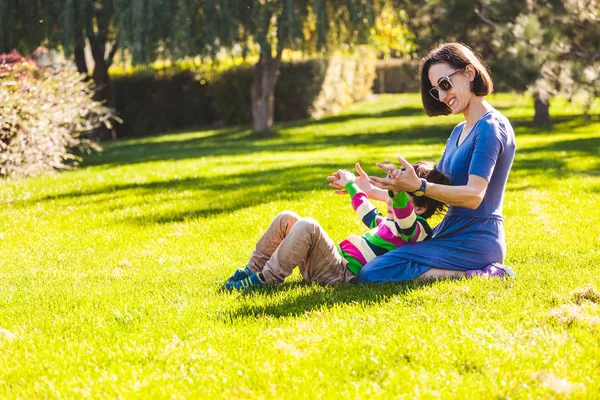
(421, 191)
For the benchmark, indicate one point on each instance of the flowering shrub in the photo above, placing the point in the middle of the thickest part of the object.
(46, 116)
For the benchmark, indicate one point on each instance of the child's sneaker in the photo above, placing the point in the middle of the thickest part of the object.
(239, 274)
(493, 270)
(253, 280)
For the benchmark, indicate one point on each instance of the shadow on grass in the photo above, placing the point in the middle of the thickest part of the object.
(285, 301)
(246, 143)
(551, 158)
(564, 123)
(241, 141)
(258, 187)
(392, 113)
(217, 195)
(253, 188)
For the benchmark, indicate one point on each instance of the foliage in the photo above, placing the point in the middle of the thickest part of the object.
(152, 101)
(546, 46)
(298, 86)
(151, 29)
(111, 273)
(45, 115)
(390, 35)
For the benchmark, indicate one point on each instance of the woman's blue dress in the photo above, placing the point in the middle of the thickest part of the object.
(465, 239)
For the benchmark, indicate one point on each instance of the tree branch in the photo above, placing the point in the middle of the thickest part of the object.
(482, 15)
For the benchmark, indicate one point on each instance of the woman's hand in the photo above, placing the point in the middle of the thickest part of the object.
(398, 179)
(363, 183)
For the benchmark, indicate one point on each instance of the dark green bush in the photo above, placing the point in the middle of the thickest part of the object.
(298, 85)
(151, 102)
(230, 93)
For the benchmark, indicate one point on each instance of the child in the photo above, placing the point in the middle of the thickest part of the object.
(292, 241)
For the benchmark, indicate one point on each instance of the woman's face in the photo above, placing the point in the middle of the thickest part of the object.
(459, 97)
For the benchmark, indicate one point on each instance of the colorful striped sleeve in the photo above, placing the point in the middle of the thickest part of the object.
(406, 226)
(365, 210)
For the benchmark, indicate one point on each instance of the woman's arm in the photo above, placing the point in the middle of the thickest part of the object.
(469, 196)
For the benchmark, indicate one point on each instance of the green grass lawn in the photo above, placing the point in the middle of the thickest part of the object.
(110, 275)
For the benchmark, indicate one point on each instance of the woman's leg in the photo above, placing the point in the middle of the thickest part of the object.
(436, 273)
(435, 258)
(270, 240)
(309, 247)
(392, 267)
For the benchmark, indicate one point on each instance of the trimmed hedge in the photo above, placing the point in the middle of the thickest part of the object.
(298, 85)
(152, 102)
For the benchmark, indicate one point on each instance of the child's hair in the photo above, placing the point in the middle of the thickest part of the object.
(428, 170)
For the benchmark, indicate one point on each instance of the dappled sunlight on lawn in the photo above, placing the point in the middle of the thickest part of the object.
(118, 266)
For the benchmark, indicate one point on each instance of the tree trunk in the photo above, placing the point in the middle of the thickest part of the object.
(266, 72)
(80, 59)
(102, 81)
(541, 104)
(104, 88)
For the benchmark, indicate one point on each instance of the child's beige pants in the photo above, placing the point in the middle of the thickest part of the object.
(292, 241)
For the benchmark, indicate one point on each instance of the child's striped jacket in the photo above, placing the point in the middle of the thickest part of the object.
(401, 226)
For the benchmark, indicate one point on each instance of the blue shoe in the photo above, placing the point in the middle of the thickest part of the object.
(253, 280)
(493, 270)
(239, 274)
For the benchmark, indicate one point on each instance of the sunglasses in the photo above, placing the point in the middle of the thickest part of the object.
(444, 84)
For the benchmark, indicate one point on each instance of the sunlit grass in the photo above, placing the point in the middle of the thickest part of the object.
(110, 275)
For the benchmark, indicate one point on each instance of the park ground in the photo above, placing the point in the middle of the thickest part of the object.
(110, 275)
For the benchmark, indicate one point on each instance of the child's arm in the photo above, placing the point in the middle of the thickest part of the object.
(365, 210)
(406, 225)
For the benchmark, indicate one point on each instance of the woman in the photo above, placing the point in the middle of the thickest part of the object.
(477, 159)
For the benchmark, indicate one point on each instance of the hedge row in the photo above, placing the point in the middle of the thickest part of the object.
(152, 102)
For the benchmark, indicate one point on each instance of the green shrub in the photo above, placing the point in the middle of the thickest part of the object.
(230, 93)
(151, 102)
(308, 88)
(298, 85)
(45, 115)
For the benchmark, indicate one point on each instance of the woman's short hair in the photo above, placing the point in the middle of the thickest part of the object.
(458, 56)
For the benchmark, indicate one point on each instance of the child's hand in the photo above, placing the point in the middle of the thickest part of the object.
(394, 172)
(345, 177)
